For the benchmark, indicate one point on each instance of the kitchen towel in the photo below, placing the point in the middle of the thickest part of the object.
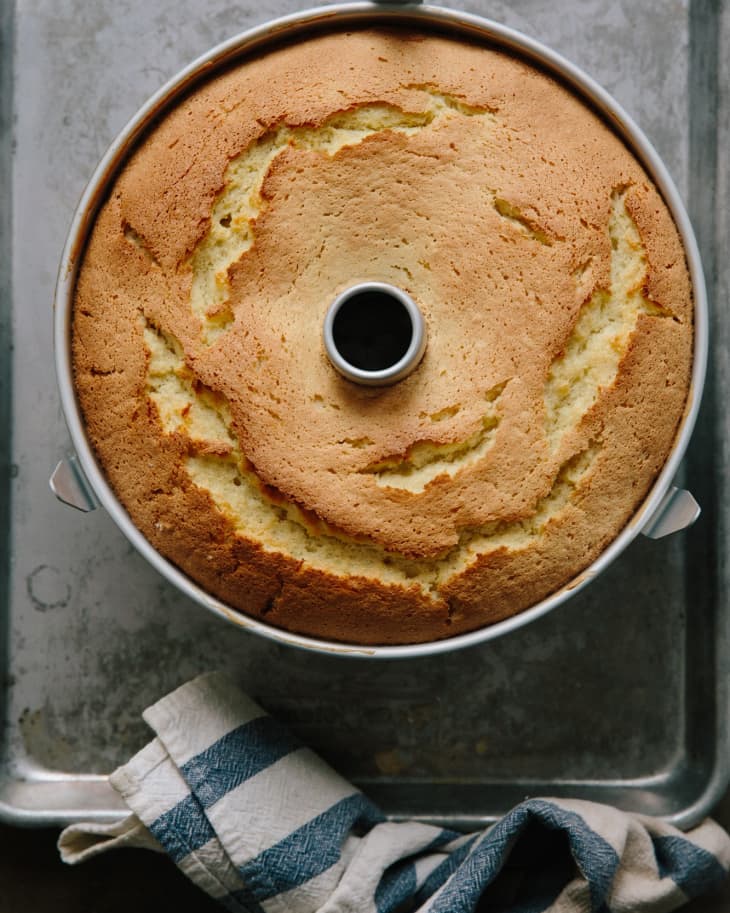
(263, 825)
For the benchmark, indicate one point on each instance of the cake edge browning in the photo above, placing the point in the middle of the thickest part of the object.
(145, 463)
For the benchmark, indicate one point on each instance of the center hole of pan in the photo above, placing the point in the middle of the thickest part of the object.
(372, 329)
(374, 334)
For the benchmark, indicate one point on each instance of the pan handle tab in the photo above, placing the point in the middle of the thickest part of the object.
(68, 483)
(677, 510)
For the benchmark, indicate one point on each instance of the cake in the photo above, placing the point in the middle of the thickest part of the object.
(554, 288)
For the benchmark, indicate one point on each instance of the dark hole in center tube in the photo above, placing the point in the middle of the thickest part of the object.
(372, 330)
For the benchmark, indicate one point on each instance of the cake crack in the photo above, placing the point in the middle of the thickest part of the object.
(217, 466)
(529, 226)
(136, 240)
(232, 226)
(427, 460)
(591, 356)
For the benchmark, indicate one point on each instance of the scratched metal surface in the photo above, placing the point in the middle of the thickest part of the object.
(619, 696)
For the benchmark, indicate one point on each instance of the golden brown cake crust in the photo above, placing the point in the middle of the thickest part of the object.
(559, 312)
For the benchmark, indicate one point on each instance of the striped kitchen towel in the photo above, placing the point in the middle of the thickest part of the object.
(261, 824)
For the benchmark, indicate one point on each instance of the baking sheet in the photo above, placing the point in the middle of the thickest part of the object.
(620, 695)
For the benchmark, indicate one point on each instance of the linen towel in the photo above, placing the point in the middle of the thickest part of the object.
(260, 823)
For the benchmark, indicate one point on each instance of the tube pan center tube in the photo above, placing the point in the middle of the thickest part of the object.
(374, 334)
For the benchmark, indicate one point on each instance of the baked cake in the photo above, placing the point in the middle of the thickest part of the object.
(554, 288)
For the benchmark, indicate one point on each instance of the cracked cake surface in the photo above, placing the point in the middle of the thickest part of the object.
(549, 273)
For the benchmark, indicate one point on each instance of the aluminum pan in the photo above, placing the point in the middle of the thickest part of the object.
(290, 27)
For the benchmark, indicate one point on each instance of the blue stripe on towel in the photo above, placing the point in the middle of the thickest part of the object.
(441, 839)
(595, 857)
(236, 757)
(688, 865)
(182, 829)
(399, 880)
(396, 886)
(536, 871)
(308, 851)
(443, 871)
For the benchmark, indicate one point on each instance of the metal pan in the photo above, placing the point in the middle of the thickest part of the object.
(81, 482)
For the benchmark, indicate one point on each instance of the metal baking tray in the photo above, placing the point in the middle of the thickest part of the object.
(620, 695)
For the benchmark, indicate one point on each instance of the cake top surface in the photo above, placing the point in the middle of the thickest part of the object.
(546, 265)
